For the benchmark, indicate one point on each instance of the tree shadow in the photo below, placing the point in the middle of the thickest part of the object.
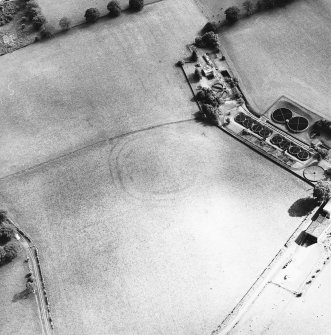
(302, 207)
(200, 118)
(21, 295)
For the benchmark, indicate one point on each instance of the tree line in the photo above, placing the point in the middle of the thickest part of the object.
(234, 13)
(8, 247)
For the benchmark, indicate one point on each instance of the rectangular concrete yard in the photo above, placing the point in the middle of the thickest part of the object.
(158, 232)
(95, 82)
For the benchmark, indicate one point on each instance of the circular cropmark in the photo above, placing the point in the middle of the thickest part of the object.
(155, 167)
(281, 115)
(298, 124)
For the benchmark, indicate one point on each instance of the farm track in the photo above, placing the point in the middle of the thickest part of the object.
(41, 296)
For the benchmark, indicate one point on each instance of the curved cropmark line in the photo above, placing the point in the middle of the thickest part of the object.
(119, 159)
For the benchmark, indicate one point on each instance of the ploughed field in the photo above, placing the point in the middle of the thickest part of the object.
(95, 82)
(284, 52)
(158, 232)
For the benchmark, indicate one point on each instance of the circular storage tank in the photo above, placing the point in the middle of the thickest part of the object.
(298, 124)
(276, 140)
(303, 155)
(281, 115)
(284, 144)
(265, 132)
(248, 122)
(240, 118)
(257, 128)
(294, 150)
(314, 173)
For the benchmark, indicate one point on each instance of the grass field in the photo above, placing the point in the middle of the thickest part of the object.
(75, 10)
(95, 82)
(285, 52)
(20, 317)
(159, 232)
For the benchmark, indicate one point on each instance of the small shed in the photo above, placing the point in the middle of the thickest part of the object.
(319, 227)
(208, 72)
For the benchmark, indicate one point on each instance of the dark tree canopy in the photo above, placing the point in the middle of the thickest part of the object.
(210, 26)
(114, 8)
(6, 234)
(47, 31)
(136, 5)
(248, 6)
(321, 191)
(11, 250)
(207, 96)
(92, 15)
(38, 21)
(197, 74)
(207, 40)
(232, 14)
(209, 113)
(2, 256)
(3, 216)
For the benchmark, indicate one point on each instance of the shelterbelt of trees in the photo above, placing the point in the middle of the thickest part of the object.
(234, 13)
(8, 246)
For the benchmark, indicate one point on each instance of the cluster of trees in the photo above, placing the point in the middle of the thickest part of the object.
(93, 14)
(232, 13)
(33, 14)
(321, 192)
(8, 252)
(209, 114)
(37, 19)
(322, 125)
(7, 11)
(207, 96)
(207, 40)
(8, 248)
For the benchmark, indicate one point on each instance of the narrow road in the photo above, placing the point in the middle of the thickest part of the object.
(40, 291)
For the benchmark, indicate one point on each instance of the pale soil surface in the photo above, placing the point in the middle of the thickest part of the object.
(95, 82)
(75, 10)
(159, 232)
(20, 317)
(285, 52)
(277, 312)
